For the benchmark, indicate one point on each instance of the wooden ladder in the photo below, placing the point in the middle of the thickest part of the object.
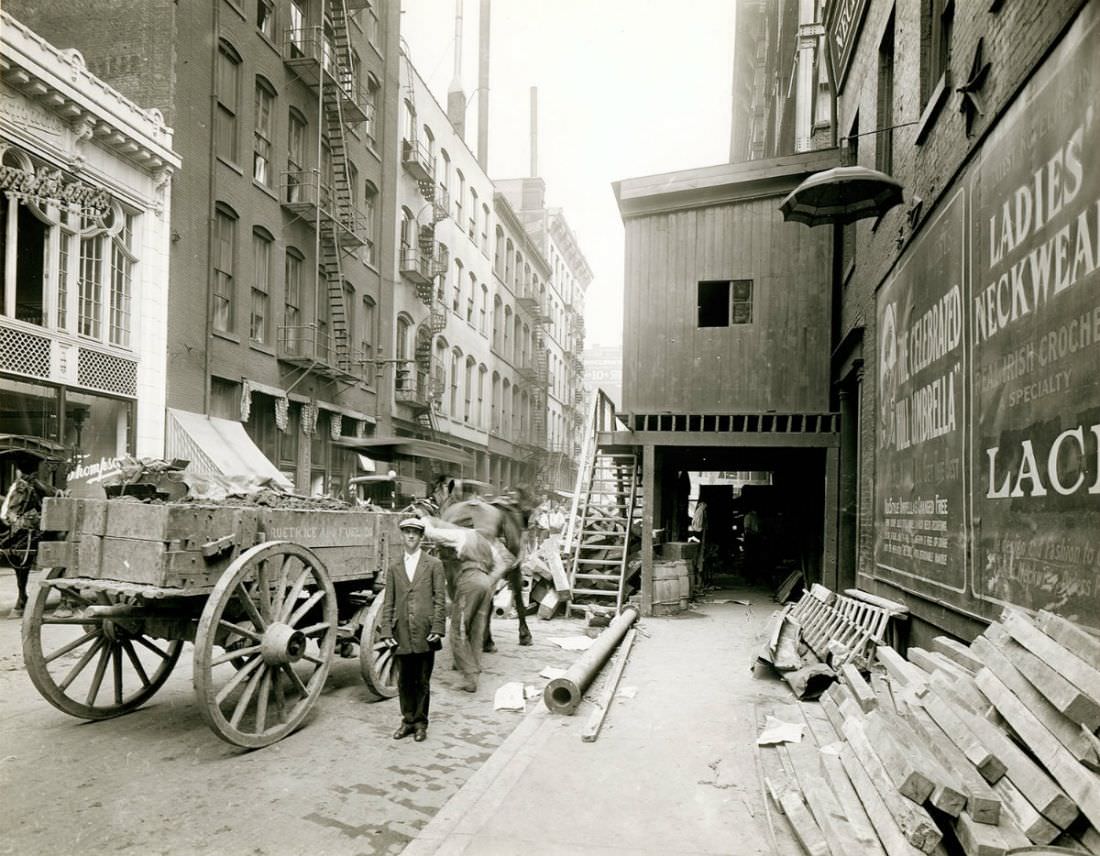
(611, 505)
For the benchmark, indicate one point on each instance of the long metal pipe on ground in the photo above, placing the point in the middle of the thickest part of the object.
(564, 694)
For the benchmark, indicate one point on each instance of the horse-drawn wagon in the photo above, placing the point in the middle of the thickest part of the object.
(268, 595)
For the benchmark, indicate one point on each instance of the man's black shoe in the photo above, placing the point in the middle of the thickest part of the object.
(421, 733)
(404, 731)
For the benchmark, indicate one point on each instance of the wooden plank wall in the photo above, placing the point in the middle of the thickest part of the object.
(780, 362)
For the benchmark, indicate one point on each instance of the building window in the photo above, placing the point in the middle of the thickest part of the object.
(372, 105)
(225, 252)
(321, 315)
(122, 262)
(259, 316)
(498, 253)
(483, 324)
(292, 300)
(456, 293)
(725, 302)
(470, 299)
(468, 383)
(480, 414)
(370, 216)
(297, 33)
(460, 191)
(366, 342)
(444, 175)
(265, 18)
(295, 155)
(485, 227)
(228, 95)
(937, 22)
(473, 230)
(456, 368)
(884, 139)
(372, 25)
(261, 135)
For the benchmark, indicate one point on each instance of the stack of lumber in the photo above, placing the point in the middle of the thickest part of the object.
(984, 749)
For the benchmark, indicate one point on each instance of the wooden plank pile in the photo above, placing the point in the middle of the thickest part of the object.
(985, 749)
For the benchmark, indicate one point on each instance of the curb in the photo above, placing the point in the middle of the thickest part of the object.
(466, 812)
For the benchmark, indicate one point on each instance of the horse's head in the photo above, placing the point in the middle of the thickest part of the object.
(443, 493)
(23, 497)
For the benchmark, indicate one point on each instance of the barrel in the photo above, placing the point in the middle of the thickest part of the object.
(684, 589)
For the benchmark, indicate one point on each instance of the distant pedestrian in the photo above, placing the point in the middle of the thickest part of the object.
(414, 618)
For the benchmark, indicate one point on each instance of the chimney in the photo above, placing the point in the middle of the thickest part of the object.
(483, 87)
(456, 98)
(534, 131)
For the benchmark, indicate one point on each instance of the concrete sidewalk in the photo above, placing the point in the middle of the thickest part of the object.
(674, 770)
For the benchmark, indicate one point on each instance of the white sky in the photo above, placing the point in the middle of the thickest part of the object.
(626, 88)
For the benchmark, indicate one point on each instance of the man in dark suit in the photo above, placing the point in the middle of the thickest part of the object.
(414, 616)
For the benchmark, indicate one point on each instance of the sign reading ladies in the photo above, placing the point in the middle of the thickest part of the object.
(1035, 321)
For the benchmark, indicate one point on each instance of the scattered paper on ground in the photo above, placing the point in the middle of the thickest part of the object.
(551, 672)
(627, 692)
(777, 731)
(573, 643)
(530, 691)
(509, 697)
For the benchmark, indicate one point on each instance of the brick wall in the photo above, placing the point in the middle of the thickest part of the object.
(1015, 40)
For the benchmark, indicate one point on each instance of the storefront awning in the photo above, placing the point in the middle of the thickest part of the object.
(217, 446)
(383, 447)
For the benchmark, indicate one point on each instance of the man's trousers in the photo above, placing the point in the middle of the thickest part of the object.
(469, 619)
(414, 677)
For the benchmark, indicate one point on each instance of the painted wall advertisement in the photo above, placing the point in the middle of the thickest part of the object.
(988, 467)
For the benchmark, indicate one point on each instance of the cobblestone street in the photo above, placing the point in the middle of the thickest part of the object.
(159, 781)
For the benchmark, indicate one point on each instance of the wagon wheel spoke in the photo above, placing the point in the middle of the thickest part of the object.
(233, 682)
(261, 701)
(250, 607)
(235, 654)
(246, 698)
(263, 592)
(284, 580)
(287, 605)
(280, 695)
(116, 657)
(315, 628)
(80, 665)
(100, 670)
(128, 646)
(72, 646)
(243, 631)
(296, 680)
(317, 661)
(163, 654)
(300, 612)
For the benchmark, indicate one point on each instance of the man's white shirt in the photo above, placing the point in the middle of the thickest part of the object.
(410, 564)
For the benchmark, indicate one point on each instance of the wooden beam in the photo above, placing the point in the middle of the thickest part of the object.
(1024, 815)
(889, 831)
(881, 688)
(913, 821)
(991, 648)
(983, 839)
(947, 793)
(900, 670)
(1069, 635)
(805, 829)
(854, 811)
(976, 751)
(607, 695)
(1033, 781)
(982, 803)
(956, 651)
(1079, 783)
(901, 765)
(826, 810)
(860, 689)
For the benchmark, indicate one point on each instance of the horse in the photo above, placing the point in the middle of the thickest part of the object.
(21, 512)
(504, 517)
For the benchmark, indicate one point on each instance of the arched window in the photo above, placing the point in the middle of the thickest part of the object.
(439, 373)
(292, 300)
(403, 342)
(456, 371)
(498, 253)
(505, 408)
(483, 320)
(468, 389)
(460, 192)
(494, 404)
(506, 333)
(470, 299)
(262, 112)
(479, 414)
(516, 354)
(408, 230)
(498, 318)
(259, 321)
(509, 264)
(456, 293)
(444, 176)
(297, 134)
(370, 218)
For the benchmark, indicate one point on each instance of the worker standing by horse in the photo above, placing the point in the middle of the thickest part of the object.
(482, 560)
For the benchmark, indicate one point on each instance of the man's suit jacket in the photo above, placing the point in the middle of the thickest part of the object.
(410, 611)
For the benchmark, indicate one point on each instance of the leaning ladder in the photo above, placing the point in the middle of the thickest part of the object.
(599, 570)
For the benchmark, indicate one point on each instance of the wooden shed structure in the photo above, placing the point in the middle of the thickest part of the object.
(728, 332)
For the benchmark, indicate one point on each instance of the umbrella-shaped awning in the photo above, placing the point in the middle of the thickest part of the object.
(841, 195)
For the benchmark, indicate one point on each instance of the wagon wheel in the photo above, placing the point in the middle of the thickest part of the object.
(68, 659)
(279, 596)
(376, 661)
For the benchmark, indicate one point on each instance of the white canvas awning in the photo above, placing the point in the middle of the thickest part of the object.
(217, 446)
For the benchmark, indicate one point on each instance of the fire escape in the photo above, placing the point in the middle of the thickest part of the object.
(538, 381)
(321, 58)
(421, 384)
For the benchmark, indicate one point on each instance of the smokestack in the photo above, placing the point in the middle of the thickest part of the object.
(456, 98)
(483, 87)
(534, 131)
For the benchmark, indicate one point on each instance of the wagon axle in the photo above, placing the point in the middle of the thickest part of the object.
(282, 644)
